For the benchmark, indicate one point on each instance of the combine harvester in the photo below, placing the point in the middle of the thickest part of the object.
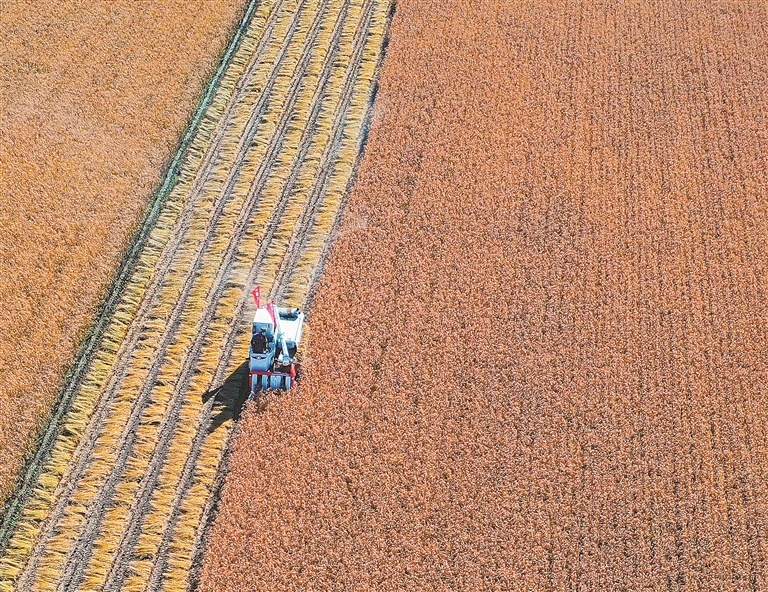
(275, 339)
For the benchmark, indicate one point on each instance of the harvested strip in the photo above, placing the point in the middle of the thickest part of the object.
(181, 558)
(205, 336)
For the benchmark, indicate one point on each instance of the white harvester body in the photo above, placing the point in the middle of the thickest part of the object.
(275, 338)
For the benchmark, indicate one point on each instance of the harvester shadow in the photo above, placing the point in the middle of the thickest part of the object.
(229, 397)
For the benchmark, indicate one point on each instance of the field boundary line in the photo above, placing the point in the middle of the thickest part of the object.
(91, 342)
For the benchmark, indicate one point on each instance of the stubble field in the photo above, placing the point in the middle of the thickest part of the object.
(537, 357)
(93, 98)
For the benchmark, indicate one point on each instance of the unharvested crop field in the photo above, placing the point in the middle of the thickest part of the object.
(538, 353)
(93, 98)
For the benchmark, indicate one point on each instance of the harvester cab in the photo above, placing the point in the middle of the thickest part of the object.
(275, 337)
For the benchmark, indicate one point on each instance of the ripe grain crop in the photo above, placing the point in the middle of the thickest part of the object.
(93, 98)
(537, 356)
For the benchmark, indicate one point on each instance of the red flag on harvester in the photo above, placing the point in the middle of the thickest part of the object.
(257, 296)
(271, 310)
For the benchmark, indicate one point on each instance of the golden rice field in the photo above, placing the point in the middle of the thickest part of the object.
(93, 98)
(122, 501)
(538, 351)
